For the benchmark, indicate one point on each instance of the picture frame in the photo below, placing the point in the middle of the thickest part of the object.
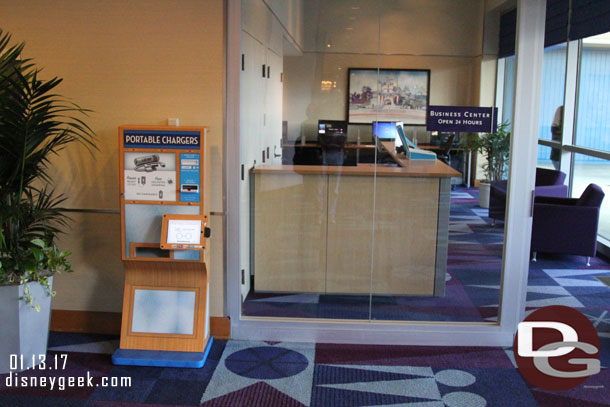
(390, 95)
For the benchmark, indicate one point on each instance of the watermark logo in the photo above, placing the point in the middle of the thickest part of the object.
(556, 348)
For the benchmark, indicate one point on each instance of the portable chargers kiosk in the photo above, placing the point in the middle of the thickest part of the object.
(165, 319)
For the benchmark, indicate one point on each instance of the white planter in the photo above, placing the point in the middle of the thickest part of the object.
(484, 188)
(23, 330)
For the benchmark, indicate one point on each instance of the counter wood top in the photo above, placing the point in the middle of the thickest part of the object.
(411, 168)
(348, 146)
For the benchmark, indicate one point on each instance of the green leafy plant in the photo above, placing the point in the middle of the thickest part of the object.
(495, 147)
(35, 125)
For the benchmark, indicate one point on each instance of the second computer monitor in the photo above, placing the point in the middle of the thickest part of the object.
(385, 131)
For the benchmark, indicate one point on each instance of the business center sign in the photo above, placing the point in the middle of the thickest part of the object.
(455, 119)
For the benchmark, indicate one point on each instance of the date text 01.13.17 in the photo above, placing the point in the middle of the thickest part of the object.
(39, 362)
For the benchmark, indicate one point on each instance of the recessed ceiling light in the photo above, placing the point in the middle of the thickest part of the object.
(328, 45)
(355, 8)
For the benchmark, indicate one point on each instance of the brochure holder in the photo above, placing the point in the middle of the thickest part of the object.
(166, 299)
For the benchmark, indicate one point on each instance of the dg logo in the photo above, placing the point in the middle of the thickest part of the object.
(556, 348)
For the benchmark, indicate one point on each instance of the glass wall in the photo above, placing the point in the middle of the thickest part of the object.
(551, 100)
(544, 157)
(588, 170)
(593, 123)
(551, 103)
(591, 129)
(309, 207)
(553, 85)
(336, 222)
(509, 88)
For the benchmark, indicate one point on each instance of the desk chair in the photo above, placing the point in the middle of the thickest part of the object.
(333, 148)
(445, 154)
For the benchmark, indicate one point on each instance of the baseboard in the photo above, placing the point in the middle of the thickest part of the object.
(220, 327)
(109, 323)
(92, 322)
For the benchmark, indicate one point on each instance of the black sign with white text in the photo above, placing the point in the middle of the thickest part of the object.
(453, 119)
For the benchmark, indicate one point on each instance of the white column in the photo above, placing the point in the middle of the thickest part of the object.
(232, 161)
(523, 152)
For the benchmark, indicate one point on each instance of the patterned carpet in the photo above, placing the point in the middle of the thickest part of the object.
(271, 374)
(473, 281)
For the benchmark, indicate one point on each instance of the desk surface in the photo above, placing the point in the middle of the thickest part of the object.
(434, 147)
(423, 146)
(316, 145)
(411, 168)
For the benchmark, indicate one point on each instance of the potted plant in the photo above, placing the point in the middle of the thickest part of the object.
(495, 147)
(35, 124)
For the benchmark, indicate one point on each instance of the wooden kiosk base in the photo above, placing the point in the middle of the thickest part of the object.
(160, 299)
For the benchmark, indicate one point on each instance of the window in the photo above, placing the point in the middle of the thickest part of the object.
(593, 117)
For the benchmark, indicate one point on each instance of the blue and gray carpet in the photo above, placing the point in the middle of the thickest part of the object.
(271, 374)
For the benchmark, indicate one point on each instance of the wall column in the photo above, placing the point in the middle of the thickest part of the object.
(523, 157)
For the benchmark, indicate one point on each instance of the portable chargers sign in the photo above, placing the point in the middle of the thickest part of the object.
(161, 165)
(161, 139)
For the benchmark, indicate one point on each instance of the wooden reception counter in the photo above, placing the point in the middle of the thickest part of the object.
(328, 229)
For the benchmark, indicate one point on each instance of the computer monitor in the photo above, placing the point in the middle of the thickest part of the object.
(385, 131)
(332, 127)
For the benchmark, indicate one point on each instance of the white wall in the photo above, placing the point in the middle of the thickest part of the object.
(266, 26)
(290, 14)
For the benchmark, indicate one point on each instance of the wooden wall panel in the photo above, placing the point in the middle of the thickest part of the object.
(290, 232)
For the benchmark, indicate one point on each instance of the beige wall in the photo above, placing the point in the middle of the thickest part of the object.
(443, 36)
(131, 62)
(453, 81)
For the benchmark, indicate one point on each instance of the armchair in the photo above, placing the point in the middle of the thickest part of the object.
(548, 183)
(567, 225)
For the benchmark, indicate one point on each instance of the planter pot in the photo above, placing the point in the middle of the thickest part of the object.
(484, 188)
(23, 330)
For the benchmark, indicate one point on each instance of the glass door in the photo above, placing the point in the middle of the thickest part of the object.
(308, 177)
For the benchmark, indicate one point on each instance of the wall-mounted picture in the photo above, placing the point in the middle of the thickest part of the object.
(389, 95)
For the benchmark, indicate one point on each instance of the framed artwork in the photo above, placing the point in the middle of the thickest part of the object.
(388, 95)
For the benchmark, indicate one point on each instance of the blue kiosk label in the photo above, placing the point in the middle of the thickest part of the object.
(453, 119)
(189, 177)
(185, 140)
